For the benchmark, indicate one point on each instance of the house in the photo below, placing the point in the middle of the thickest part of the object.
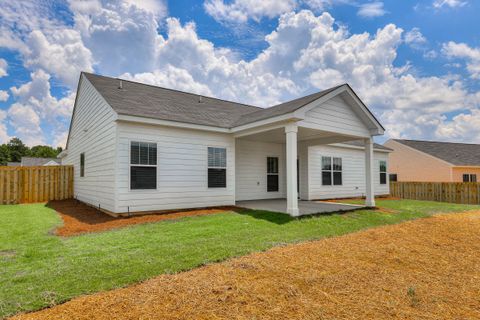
(137, 147)
(33, 162)
(433, 161)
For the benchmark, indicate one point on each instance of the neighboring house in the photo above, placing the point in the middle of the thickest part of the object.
(137, 147)
(433, 161)
(34, 162)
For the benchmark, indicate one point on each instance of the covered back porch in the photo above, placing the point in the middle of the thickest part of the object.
(276, 152)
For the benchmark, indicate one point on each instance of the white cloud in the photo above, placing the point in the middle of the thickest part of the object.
(371, 10)
(63, 55)
(35, 106)
(464, 51)
(36, 94)
(60, 139)
(4, 95)
(415, 38)
(122, 35)
(243, 10)
(26, 123)
(462, 125)
(307, 53)
(3, 68)
(4, 137)
(449, 3)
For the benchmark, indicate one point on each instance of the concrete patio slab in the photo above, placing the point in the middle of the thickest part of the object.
(305, 207)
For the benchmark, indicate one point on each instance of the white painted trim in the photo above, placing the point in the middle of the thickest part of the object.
(285, 117)
(359, 148)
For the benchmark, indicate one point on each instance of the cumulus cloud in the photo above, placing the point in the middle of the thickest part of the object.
(307, 53)
(115, 30)
(63, 55)
(4, 95)
(3, 68)
(4, 137)
(464, 51)
(371, 10)
(448, 3)
(26, 123)
(35, 106)
(415, 38)
(242, 10)
(304, 54)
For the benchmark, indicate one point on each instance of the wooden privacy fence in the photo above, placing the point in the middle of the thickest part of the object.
(35, 184)
(455, 192)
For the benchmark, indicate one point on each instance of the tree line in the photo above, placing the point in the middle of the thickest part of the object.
(15, 149)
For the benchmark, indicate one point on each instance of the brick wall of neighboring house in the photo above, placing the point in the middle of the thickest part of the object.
(412, 165)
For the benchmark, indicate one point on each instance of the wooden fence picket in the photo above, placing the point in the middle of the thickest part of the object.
(455, 192)
(35, 184)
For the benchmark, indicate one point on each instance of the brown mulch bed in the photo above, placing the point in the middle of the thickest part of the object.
(423, 269)
(79, 218)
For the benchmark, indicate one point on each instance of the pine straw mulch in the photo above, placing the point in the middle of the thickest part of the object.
(78, 218)
(423, 269)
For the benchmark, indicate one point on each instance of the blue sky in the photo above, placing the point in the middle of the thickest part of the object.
(416, 64)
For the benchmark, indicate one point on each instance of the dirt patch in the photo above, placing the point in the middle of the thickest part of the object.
(424, 269)
(79, 218)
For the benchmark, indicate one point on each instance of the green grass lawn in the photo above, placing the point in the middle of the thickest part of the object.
(38, 269)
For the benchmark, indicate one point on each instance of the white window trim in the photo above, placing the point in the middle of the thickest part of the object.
(273, 174)
(331, 171)
(130, 165)
(387, 178)
(80, 167)
(226, 167)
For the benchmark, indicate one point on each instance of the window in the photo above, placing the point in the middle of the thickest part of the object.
(143, 165)
(82, 164)
(331, 171)
(469, 177)
(383, 172)
(217, 167)
(272, 174)
(393, 177)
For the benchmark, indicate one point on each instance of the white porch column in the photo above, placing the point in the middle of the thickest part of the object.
(369, 189)
(292, 193)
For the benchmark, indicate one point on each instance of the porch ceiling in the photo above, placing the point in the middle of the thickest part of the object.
(304, 134)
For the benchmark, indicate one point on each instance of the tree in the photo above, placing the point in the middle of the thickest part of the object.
(44, 152)
(4, 155)
(17, 149)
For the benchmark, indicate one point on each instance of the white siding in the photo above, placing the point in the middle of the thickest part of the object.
(251, 171)
(335, 115)
(353, 162)
(93, 133)
(181, 169)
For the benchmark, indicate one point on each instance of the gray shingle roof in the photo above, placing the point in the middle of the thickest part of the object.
(459, 154)
(32, 162)
(137, 99)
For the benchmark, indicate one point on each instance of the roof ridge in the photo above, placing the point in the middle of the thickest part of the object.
(170, 89)
(431, 141)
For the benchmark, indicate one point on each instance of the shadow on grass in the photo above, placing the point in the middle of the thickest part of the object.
(283, 218)
(270, 216)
